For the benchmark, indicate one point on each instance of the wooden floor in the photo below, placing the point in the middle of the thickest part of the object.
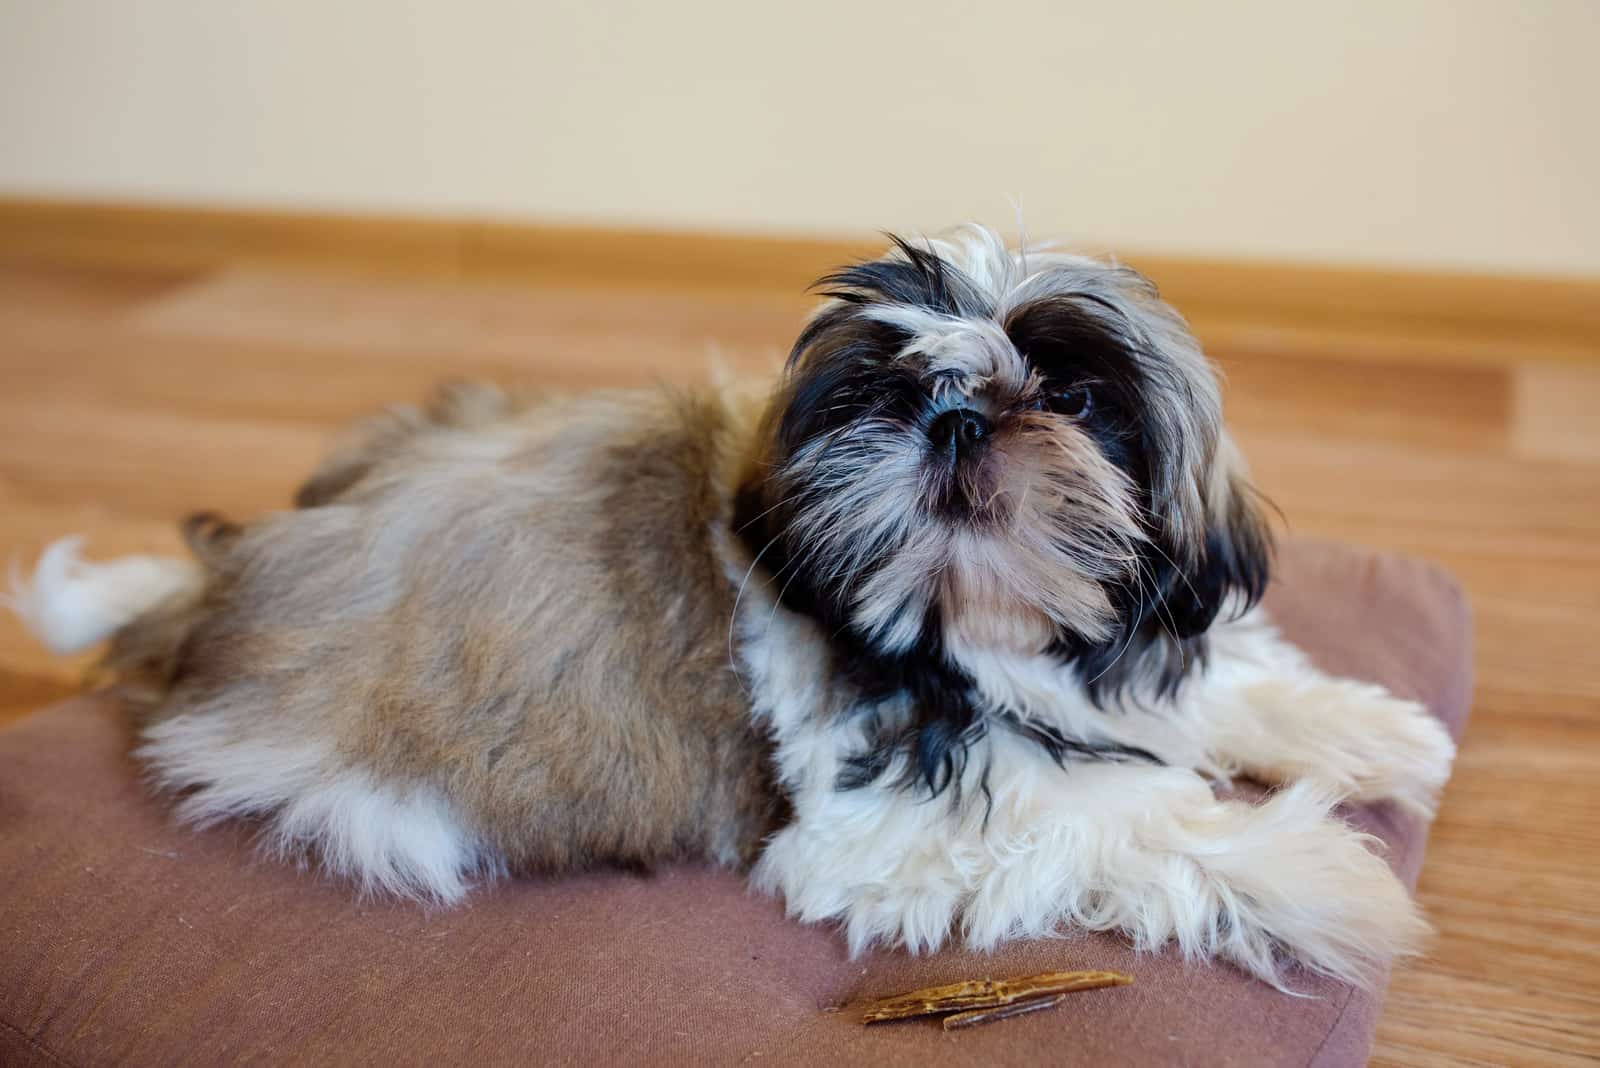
(130, 395)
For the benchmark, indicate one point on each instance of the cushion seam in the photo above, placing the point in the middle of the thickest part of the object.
(1349, 997)
(34, 1044)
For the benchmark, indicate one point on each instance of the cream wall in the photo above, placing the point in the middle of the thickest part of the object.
(1445, 133)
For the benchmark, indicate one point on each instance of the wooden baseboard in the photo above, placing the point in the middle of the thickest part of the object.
(1377, 312)
(190, 237)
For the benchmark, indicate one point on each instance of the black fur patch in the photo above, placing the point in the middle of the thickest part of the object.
(921, 280)
(1166, 613)
(1070, 345)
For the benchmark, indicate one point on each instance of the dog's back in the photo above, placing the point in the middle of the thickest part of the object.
(460, 652)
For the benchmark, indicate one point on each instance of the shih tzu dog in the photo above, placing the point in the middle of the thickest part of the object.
(949, 636)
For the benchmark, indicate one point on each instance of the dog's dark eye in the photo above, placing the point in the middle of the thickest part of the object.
(1074, 402)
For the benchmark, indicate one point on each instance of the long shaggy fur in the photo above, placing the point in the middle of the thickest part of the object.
(951, 635)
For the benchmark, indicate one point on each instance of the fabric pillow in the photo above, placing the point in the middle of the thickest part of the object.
(131, 941)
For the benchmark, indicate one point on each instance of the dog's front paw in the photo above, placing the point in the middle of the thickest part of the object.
(1355, 738)
(888, 896)
(1414, 760)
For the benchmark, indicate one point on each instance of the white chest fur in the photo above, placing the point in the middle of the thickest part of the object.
(1150, 850)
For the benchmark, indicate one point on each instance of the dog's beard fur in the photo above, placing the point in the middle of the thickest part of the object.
(536, 634)
(1103, 517)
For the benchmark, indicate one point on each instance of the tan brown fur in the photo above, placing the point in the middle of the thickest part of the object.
(512, 603)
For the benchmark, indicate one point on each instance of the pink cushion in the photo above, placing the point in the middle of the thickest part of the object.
(128, 940)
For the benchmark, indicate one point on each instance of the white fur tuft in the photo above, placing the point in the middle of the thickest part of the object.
(401, 840)
(70, 604)
(1145, 851)
(1148, 851)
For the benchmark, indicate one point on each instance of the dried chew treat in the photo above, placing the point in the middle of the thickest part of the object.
(987, 994)
(974, 1017)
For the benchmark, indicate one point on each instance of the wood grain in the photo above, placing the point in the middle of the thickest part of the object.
(142, 385)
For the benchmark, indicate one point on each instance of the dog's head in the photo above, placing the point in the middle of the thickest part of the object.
(980, 448)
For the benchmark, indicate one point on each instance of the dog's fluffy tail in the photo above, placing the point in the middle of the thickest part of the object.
(71, 604)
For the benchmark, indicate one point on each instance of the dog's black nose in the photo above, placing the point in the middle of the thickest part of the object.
(959, 431)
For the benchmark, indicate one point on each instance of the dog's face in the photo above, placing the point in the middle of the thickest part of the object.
(976, 448)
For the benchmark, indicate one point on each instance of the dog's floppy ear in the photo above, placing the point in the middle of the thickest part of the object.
(1233, 564)
(1181, 587)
